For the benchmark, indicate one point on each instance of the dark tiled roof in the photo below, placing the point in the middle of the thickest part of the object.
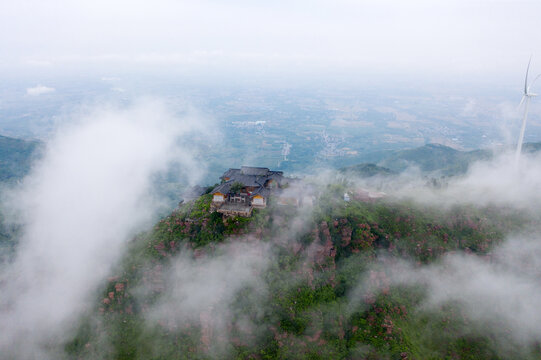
(250, 176)
(223, 188)
(231, 173)
(261, 191)
(249, 170)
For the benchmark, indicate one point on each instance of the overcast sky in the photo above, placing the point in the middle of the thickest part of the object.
(463, 37)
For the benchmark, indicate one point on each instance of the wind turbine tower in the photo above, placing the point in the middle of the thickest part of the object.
(286, 149)
(526, 101)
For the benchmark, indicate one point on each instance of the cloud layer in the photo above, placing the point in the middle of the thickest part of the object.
(383, 36)
(91, 192)
(498, 293)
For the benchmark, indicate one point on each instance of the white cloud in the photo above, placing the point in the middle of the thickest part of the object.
(499, 293)
(209, 286)
(503, 293)
(39, 90)
(500, 181)
(90, 194)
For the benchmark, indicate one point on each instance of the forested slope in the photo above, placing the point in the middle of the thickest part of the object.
(296, 283)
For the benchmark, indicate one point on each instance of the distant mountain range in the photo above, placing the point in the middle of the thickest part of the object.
(16, 156)
(430, 158)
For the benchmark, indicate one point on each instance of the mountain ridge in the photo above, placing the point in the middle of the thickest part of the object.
(430, 158)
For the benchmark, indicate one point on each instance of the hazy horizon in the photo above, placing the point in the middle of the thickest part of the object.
(306, 40)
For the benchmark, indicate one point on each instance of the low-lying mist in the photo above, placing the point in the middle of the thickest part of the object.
(501, 295)
(500, 181)
(499, 292)
(88, 195)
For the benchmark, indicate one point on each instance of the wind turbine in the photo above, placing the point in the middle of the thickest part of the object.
(526, 100)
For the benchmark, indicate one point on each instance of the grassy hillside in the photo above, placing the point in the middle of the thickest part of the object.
(325, 293)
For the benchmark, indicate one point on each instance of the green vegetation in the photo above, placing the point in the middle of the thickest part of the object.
(236, 187)
(8, 235)
(326, 292)
(367, 170)
(15, 157)
(15, 160)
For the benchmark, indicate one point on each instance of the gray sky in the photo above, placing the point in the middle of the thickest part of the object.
(461, 37)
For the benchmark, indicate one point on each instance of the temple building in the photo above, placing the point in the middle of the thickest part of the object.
(246, 188)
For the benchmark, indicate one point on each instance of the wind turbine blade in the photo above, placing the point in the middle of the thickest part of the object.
(533, 82)
(522, 129)
(522, 101)
(526, 79)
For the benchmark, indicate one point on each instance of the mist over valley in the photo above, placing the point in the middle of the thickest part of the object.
(310, 180)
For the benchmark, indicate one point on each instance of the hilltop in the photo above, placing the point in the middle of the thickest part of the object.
(293, 282)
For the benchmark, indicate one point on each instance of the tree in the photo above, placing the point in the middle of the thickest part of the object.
(236, 187)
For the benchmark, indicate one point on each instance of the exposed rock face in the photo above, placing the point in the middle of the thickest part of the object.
(321, 251)
(329, 251)
(346, 235)
(119, 287)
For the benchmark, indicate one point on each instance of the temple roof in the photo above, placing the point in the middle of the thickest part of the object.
(261, 191)
(250, 170)
(223, 188)
(249, 176)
